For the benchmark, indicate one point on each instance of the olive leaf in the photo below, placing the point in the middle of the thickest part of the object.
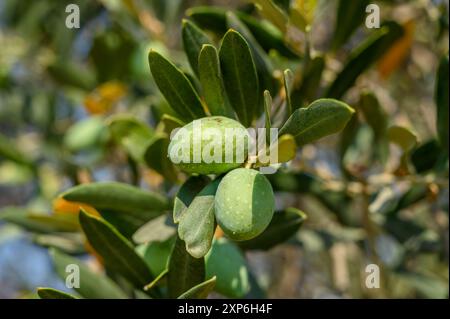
(272, 12)
(200, 291)
(155, 157)
(175, 87)
(41, 223)
(117, 252)
(239, 75)
(267, 35)
(196, 227)
(283, 226)
(363, 56)
(51, 293)
(92, 285)
(133, 135)
(288, 79)
(193, 40)
(267, 110)
(406, 140)
(212, 82)
(159, 229)
(119, 197)
(306, 91)
(185, 271)
(186, 194)
(321, 118)
(442, 102)
(285, 147)
(348, 19)
(70, 243)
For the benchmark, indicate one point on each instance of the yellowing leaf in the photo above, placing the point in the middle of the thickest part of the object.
(398, 52)
(104, 97)
(62, 207)
(286, 148)
(302, 13)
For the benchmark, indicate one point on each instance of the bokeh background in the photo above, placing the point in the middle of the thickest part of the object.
(57, 85)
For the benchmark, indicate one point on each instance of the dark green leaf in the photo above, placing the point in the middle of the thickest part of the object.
(185, 271)
(175, 87)
(119, 197)
(92, 285)
(193, 40)
(283, 226)
(212, 82)
(200, 291)
(349, 18)
(362, 57)
(321, 118)
(118, 254)
(306, 90)
(50, 293)
(239, 75)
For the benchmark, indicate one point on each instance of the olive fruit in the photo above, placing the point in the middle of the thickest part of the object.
(226, 262)
(244, 204)
(210, 145)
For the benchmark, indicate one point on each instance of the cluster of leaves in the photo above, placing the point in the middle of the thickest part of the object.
(240, 66)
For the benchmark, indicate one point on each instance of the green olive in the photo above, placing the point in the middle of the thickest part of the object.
(210, 145)
(244, 204)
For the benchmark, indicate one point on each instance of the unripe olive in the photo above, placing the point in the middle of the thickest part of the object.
(244, 204)
(210, 145)
(226, 262)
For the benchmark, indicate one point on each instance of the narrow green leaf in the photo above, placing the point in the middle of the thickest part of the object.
(156, 157)
(200, 291)
(185, 271)
(239, 75)
(283, 226)
(321, 118)
(348, 19)
(41, 223)
(374, 114)
(117, 253)
(306, 91)
(119, 197)
(9, 151)
(186, 194)
(273, 13)
(175, 87)
(442, 102)
(133, 135)
(363, 57)
(92, 285)
(70, 243)
(288, 78)
(196, 226)
(267, 110)
(50, 293)
(193, 40)
(262, 61)
(170, 123)
(212, 82)
(267, 35)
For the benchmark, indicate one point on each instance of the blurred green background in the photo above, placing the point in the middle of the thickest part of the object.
(57, 85)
